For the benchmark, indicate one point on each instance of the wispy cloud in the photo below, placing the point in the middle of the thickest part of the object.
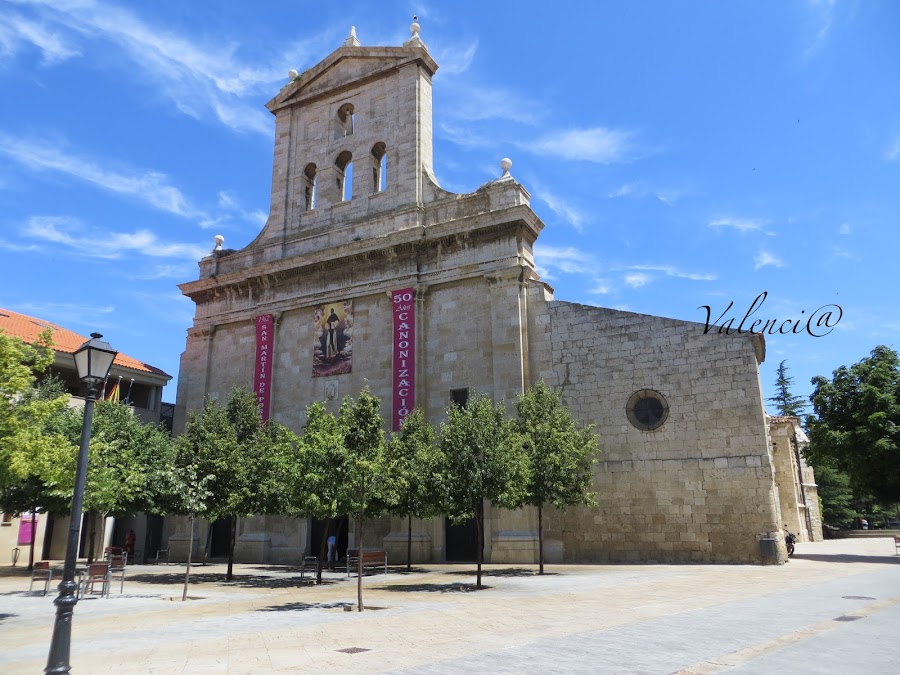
(893, 150)
(637, 279)
(455, 58)
(229, 210)
(150, 187)
(741, 224)
(201, 79)
(672, 271)
(559, 206)
(600, 145)
(635, 191)
(465, 136)
(68, 314)
(72, 234)
(474, 103)
(569, 260)
(17, 31)
(766, 259)
(823, 18)
(845, 229)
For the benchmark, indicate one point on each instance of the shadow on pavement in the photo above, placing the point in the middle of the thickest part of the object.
(304, 606)
(432, 588)
(505, 572)
(4, 617)
(847, 558)
(241, 580)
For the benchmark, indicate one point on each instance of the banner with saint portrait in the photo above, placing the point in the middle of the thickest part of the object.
(333, 338)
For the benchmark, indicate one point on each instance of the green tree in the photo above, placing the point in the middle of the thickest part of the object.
(484, 460)
(786, 403)
(560, 454)
(316, 488)
(856, 427)
(365, 490)
(229, 443)
(30, 447)
(413, 461)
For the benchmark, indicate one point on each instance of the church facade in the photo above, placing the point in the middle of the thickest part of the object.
(368, 273)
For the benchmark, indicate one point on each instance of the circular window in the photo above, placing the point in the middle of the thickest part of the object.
(647, 409)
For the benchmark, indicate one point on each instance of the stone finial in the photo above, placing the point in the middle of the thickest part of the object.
(506, 165)
(351, 40)
(415, 40)
(219, 239)
(293, 74)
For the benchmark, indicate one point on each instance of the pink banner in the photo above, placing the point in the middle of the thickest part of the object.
(404, 338)
(26, 529)
(262, 380)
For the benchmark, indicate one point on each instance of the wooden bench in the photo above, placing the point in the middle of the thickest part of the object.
(371, 557)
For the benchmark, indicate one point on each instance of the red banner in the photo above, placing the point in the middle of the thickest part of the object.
(262, 380)
(404, 338)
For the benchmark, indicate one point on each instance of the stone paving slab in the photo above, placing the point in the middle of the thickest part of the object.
(691, 619)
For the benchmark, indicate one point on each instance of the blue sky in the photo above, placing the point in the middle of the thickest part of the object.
(681, 154)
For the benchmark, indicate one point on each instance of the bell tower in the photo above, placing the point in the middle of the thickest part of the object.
(353, 138)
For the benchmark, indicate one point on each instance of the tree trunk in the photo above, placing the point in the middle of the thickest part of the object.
(479, 544)
(541, 537)
(187, 569)
(322, 547)
(92, 533)
(33, 533)
(409, 544)
(232, 539)
(359, 564)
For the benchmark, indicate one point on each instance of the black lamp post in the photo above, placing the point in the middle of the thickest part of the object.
(93, 360)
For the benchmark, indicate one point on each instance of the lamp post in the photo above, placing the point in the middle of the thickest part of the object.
(93, 360)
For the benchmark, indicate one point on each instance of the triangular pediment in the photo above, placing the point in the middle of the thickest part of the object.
(348, 66)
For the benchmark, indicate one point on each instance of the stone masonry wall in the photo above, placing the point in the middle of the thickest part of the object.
(699, 488)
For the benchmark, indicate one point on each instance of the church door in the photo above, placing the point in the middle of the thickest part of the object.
(461, 541)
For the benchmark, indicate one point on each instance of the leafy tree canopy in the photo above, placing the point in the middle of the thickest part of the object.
(856, 428)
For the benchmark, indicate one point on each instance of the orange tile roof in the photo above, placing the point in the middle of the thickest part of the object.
(28, 328)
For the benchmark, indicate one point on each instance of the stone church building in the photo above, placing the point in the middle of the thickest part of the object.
(367, 272)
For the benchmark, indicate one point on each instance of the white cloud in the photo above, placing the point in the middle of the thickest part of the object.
(71, 233)
(666, 196)
(823, 16)
(471, 102)
(150, 187)
(455, 58)
(598, 144)
(637, 279)
(672, 271)
(16, 30)
(602, 288)
(201, 79)
(560, 207)
(845, 228)
(766, 259)
(569, 260)
(893, 150)
(464, 136)
(741, 224)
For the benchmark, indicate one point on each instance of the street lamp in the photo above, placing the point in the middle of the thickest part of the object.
(93, 360)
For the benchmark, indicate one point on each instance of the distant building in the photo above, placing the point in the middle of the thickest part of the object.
(367, 272)
(130, 381)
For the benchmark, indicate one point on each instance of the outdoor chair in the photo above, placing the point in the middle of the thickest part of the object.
(111, 551)
(117, 571)
(97, 572)
(163, 554)
(41, 571)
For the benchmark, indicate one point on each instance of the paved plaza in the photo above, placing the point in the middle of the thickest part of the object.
(833, 608)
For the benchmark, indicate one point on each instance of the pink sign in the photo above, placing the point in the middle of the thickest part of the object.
(404, 338)
(27, 529)
(262, 379)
